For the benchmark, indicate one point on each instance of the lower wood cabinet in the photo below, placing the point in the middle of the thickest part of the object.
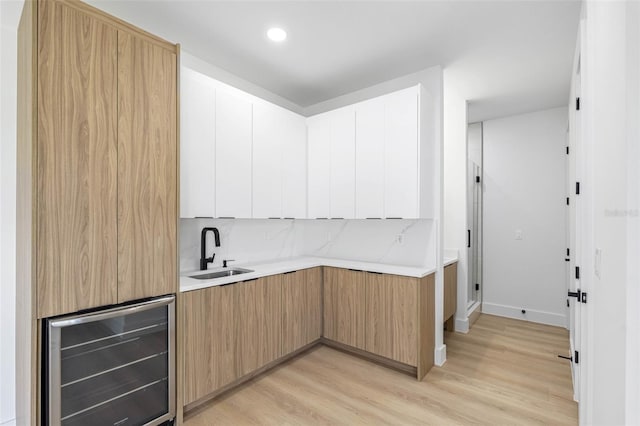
(344, 306)
(258, 323)
(302, 310)
(209, 340)
(391, 321)
(386, 315)
(232, 330)
(450, 292)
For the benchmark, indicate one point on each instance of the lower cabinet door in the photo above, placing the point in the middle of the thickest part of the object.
(391, 317)
(258, 323)
(209, 341)
(302, 304)
(344, 306)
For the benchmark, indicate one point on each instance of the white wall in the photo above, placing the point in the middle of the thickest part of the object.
(454, 219)
(9, 16)
(524, 191)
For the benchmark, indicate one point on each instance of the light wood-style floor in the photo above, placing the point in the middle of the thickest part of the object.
(503, 372)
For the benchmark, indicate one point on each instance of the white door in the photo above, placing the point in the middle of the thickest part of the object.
(343, 161)
(401, 154)
(370, 159)
(233, 155)
(319, 166)
(197, 144)
(268, 135)
(575, 212)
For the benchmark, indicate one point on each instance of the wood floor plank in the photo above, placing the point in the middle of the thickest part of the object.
(502, 372)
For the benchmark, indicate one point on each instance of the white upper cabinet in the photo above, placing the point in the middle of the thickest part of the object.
(401, 197)
(294, 166)
(343, 161)
(370, 164)
(373, 164)
(233, 155)
(197, 145)
(279, 163)
(268, 135)
(319, 166)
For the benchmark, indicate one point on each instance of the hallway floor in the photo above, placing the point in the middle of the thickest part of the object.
(503, 371)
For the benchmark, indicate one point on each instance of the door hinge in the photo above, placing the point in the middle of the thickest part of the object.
(577, 272)
(577, 188)
(583, 299)
(567, 200)
(477, 179)
(477, 286)
(567, 150)
(468, 238)
(568, 252)
(567, 303)
(577, 104)
(576, 357)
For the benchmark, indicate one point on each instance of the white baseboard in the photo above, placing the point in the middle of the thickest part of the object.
(462, 325)
(11, 422)
(541, 317)
(440, 355)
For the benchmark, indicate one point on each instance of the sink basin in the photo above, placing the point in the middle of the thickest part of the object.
(220, 274)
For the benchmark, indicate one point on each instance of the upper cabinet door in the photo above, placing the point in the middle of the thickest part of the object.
(197, 144)
(401, 154)
(343, 162)
(319, 161)
(76, 161)
(233, 155)
(268, 134)
(370, 164)
(294, 167)
(147, 169)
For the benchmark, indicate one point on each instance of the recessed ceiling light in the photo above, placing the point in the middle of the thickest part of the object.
(277, 34)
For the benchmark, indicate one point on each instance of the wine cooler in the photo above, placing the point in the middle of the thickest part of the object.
(111, 367)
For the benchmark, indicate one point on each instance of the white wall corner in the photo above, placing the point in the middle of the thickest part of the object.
(440, 355)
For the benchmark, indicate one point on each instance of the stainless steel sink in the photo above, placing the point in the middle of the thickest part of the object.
(220, 274)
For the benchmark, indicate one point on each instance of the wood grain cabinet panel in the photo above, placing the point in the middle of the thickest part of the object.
(76, 154)
(302, 308)
(258, 323)
(391, 317)
(345, 306)
(450, 290)
(147, 169)
(209, 340)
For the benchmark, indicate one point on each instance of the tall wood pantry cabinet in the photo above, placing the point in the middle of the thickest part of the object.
(97, 165)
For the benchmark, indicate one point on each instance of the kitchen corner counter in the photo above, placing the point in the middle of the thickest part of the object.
(280, 266)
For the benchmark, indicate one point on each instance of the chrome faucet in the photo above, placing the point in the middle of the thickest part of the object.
(204, 260)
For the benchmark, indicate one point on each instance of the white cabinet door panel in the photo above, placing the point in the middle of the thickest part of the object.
(294, 167)
(319, 166)
(268, 135)
(343, 161)
(233, 156)
(401, 154)
(370, 163)
(197, 145)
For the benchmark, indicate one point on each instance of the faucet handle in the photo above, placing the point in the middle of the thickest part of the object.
(224, 262)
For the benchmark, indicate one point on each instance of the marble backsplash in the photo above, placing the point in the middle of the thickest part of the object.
(399, 242)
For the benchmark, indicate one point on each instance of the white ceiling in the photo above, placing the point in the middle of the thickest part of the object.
(507, 57)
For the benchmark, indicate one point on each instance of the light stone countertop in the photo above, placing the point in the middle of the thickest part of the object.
(280, 266)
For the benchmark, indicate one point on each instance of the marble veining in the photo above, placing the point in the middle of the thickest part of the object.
(396, 242)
